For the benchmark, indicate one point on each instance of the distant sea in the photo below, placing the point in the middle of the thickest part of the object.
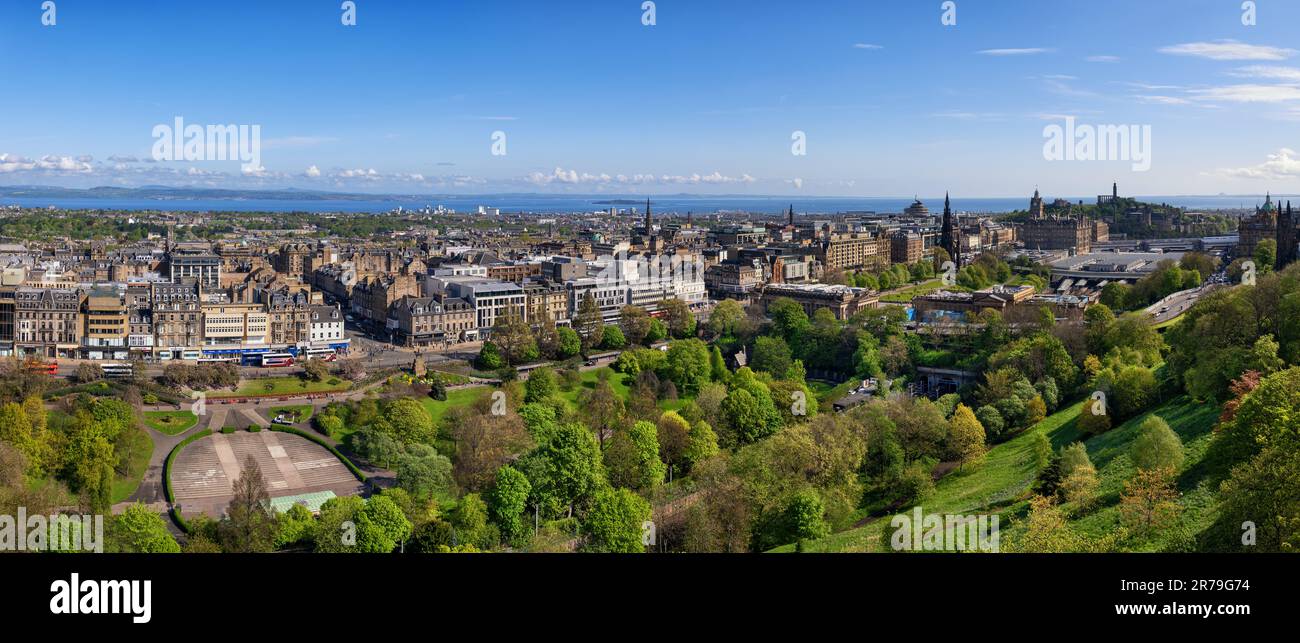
(543, 204)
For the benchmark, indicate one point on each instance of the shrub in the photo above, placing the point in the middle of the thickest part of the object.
(228, 430)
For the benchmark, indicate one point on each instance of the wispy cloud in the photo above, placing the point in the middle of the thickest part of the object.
(1162, 100)
(1228, 50)
(1248, 93)
(863, 45)
(562, 176)
(1026, 51)
(1269, 72)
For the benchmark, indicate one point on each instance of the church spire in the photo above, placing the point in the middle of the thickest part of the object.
(648, 220)
(790, 217)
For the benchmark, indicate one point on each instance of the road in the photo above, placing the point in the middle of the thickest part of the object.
(375, 353)
(1178, 303)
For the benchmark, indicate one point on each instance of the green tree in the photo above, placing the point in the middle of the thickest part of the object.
(569, 342)
(407, 420)
(632, 459)
(248, 526)
(1156, 446)
(509, 500)
(701, 444)
(614, 521)
(489, 357)
(726, 318)
(1265, 255)
(635, 323)
(789, 319)
(772, 356)
(658, 332)
(1074, 456)
(612, 338)
(687, 365)
(588, 321)
(804, 517)
(381, 526)
(564, 469)
(423, 472)
(678, 317)
(137, 530)
(540, 386)
(966, 436)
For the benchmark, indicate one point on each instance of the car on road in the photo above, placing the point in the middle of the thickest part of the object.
(283, 420)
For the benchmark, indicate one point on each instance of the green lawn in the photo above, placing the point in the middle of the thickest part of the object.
(300, 412)
(588, 383)
(142, 450)
(1001, 485)
(284, 386)
(916, 290)
(455, 397)
(170, 422)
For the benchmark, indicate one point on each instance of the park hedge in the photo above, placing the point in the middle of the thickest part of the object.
(167, 476)
(303, 434)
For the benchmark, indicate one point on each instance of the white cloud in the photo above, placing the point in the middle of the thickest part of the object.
(863, 45)
(1248, 93)
(57, 164)
(1270, 72)
(1281, 165)
(573, 177)
(1163, 100)
(1228, 50)
(313, 172)
(1027, 51)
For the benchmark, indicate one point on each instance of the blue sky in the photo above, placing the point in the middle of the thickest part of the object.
(705, 101)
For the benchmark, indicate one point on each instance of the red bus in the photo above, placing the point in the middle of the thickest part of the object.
(39, 366)
(271, 360)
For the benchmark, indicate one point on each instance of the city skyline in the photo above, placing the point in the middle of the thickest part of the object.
(884, 99)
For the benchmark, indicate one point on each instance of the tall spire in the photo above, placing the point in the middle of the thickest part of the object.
(648, 220)
(790, 218)
(949, 239)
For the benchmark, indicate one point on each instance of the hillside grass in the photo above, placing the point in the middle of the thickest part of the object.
(1002, 484)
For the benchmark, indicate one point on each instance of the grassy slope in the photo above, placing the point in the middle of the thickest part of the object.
(126, 485)
(1002, 483)
(170, 422)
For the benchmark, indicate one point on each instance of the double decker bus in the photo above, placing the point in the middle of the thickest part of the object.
(37, 365)
(117, 370)
(271, 360)
(327, 354)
